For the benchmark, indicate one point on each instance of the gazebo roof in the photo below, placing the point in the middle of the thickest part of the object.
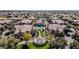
(39, 21)
(39, 41)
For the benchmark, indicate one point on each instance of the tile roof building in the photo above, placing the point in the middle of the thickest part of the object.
(57, 21)
(56, 27)
(23, 28)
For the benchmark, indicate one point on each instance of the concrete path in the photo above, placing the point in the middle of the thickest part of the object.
(69, 40)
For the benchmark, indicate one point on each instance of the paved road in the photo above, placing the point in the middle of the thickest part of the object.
(69, 40)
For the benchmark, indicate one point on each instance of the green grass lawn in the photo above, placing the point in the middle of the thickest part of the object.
(33, 46)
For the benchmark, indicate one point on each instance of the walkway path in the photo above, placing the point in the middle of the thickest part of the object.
(69, 40)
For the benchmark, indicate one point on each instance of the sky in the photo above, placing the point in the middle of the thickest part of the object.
(39, 4)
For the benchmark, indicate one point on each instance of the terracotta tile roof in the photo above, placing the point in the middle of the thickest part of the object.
(5, 21)
(56, 26)
(58, 21)
(23, 28)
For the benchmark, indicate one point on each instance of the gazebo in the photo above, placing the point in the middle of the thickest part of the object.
(40, 24)
(39, 41)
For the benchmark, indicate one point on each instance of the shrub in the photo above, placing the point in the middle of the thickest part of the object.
(58, 43)
(27, 36)
(74, 45)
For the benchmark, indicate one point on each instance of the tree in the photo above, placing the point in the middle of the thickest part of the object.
(22, 45)
(2, 42)
(76, 36)
(11, 42)
(8, 42)
(58, 43)
(74, 45)
(27, 36)
(50, 37)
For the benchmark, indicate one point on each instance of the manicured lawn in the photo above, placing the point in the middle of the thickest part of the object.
(33, 46)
